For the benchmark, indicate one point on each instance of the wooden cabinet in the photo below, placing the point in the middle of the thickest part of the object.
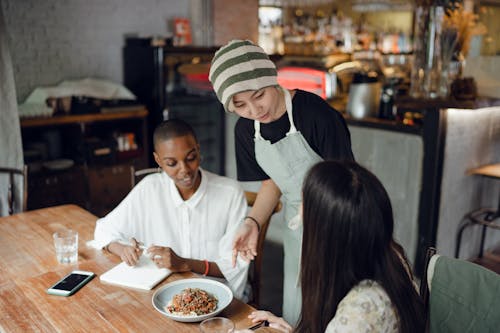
(94, 173)
(108, 186)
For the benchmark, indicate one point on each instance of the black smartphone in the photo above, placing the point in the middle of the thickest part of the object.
(70, 283)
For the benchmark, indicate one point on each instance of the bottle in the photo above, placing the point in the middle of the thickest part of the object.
(387, 102)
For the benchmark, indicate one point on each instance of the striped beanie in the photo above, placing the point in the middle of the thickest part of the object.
(240, 66)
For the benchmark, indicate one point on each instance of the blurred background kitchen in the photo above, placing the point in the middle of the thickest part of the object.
(85, 82)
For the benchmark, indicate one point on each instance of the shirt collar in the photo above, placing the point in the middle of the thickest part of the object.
(195, 198)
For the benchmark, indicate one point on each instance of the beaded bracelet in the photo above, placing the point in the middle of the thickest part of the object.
(253, 219)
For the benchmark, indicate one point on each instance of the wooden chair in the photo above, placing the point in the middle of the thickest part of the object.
(255, 272)
(137, 175)
(11, 197)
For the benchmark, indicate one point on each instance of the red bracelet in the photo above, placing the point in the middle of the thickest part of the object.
(207, 267)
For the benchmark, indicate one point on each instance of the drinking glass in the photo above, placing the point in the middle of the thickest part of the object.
(66, 244)
(217, 325)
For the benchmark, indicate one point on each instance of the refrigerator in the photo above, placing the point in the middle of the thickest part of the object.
(172, 82)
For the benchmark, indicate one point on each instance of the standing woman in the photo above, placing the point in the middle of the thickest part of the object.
(280, 134)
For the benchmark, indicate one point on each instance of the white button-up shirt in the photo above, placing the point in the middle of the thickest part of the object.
(202, 227)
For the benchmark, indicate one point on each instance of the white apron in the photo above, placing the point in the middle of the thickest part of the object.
(286, 162)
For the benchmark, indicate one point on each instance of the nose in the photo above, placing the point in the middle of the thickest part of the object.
(184, 168)
(253, 109)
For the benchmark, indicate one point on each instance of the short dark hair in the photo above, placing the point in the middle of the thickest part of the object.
(348, 237)
(172, 128)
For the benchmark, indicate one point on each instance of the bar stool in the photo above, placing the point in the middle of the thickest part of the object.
(487, 217)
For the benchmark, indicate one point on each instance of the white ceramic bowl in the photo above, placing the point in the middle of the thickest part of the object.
(165, 294)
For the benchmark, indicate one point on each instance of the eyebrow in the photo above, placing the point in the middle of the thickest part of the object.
(255, 93)
(173, 158)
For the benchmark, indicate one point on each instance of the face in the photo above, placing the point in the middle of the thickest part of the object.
(264, 105)
(180, 159)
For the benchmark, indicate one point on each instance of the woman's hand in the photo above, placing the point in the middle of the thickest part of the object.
(129, 254)
(165, 257)
(274, 321)
(245, 241)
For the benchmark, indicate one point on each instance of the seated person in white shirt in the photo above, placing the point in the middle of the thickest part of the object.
(185, 216)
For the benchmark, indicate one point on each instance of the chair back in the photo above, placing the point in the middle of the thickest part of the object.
(255, 270)
(462, 296)
(424, 285)
(137, 175)
(15, 205)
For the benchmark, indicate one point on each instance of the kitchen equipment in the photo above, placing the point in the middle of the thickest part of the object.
(364, 95)
(314, 74)
(320, 82)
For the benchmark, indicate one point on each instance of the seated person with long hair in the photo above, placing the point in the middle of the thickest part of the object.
(186, 216)
(354, 276)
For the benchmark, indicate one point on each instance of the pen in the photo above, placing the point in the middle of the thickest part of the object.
(264, 323)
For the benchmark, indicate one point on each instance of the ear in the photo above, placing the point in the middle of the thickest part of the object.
(157, 158)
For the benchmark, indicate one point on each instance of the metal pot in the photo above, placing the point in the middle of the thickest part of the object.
(364, 95)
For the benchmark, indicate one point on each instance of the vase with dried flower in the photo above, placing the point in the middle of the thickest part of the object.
(461, 25)
(427, 59)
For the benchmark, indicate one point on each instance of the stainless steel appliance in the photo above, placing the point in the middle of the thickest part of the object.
(364, 95)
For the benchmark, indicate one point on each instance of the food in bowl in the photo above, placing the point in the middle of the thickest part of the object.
(192, 302)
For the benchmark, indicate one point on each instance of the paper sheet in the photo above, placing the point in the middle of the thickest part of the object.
(145, 275)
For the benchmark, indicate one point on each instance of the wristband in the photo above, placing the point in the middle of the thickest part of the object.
(253, 219)
(207, 267)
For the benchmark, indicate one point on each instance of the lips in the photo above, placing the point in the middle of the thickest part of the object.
(186, 181)
(263, 117)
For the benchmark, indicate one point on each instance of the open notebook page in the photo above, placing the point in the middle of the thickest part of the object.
(144, 275)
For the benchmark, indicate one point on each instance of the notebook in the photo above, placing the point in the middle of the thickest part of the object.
(144, 275)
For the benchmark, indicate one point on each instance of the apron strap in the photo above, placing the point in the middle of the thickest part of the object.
(256, 126)
(289, 108)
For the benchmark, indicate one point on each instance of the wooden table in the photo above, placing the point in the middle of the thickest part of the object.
(28, 267)
(486, 217)
(490, 170)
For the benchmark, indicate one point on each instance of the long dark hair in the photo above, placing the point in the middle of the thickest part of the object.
(348, 225)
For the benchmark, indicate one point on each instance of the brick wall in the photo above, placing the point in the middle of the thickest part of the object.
(52, 40)
(235, 20)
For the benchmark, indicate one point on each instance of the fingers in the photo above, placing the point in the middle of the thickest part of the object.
(245, 243)
(235, 256)
(130, 256)
(161, 256)
(274, 321)
(252, 246)
(280, 327)
(261, 316)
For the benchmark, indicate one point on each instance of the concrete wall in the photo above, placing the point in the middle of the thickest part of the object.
(472, 140)
(52, 40)
(396, 159)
